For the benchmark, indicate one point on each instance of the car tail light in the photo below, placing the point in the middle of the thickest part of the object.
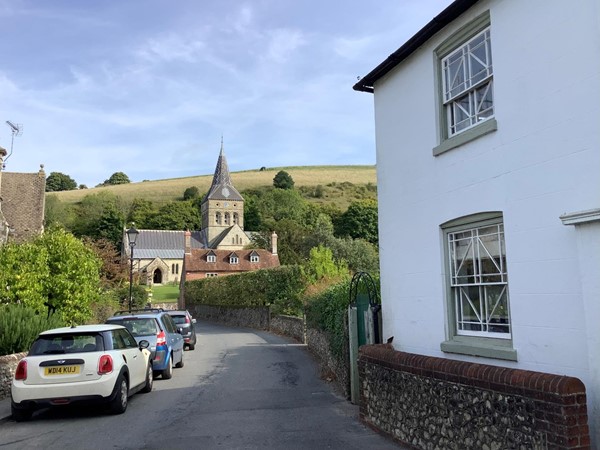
(21, 372)
(105, 365)
(161, 338)
(187, 319)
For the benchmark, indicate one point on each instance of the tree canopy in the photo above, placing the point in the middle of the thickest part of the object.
(58, 181)
(117, 178)
(283, 180)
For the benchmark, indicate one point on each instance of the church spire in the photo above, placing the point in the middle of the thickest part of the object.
(221, 187)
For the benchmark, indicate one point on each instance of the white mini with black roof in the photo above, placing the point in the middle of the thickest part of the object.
(81, 364)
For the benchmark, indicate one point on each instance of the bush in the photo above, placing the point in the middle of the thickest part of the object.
(327, 311)
(139, 294)
(20, 325)
(280, 288)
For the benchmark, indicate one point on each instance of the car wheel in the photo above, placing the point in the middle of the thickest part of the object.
(191, 346)
(179, 365)
(21, 415)
(149, 378)
(168, 372)
(118, 404)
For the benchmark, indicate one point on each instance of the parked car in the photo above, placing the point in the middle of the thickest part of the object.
(157, 327)
(186, 322)
(88, 363)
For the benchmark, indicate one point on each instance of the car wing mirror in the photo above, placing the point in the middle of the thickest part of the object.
(193, 320)
(143, 344)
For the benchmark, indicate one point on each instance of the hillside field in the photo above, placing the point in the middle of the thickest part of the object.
(340, 184)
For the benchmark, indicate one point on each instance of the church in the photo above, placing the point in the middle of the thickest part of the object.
(220, 248)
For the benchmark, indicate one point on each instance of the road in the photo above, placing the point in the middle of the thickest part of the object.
(239, 389)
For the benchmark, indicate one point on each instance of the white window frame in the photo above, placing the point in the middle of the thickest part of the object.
(477, 298)
(481, 121)
(468, 76)
(211, 258)
(234, 260)
(254, 258)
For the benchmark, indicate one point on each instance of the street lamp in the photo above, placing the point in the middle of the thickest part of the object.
(132, 235)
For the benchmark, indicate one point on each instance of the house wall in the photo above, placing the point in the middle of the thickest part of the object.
(541, 162)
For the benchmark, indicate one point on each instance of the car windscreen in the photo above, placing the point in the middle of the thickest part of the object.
(59, 344)
(139, 326)
(179, 319)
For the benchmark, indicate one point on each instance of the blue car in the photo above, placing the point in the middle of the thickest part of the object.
(157, 327)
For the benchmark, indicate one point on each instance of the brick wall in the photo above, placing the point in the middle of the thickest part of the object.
(429, 402)
(8, 365)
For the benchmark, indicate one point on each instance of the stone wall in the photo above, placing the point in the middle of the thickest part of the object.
(294, 327)
(8, 365)
(257, 317)
(429, 402)
(338, 369)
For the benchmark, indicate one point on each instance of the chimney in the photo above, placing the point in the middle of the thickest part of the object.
(274, 243)
(188, 242)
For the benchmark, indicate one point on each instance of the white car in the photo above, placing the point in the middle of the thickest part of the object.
(88, 363)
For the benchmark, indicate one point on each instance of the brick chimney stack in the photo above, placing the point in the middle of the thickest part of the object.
(188, 242)
(274, 243)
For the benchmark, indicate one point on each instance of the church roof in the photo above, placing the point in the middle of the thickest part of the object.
(221, 187)
(166, 244)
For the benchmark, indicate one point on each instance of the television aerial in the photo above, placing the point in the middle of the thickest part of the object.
(16, 130)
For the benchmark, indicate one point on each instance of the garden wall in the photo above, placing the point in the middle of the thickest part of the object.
(429, 402)
(294, 327)
(247, 317)
(8, 365)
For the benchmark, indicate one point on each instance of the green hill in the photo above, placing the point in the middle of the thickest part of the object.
(339, 185)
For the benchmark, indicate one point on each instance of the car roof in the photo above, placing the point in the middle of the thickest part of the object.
(82, 329)
(177, 311)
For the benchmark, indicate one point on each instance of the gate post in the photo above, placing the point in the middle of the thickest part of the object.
(353, 347)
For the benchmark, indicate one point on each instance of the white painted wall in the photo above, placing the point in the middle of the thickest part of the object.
(543, 161)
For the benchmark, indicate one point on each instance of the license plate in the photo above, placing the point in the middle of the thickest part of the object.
(62, 370)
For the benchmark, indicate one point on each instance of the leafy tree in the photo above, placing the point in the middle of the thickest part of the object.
(100, 216)
(279, 204)
(142, 212)
(82, 186)
(58, 212)
(73, 281)
(191, 193)
(58, 181)
(321, 264)
(177, 216)
(56, 271)
(359, 221)
(23, 274)
(114, 271)
(252, 215)
(283, 180)
(117, 178)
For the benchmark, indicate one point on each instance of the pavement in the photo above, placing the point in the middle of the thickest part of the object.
(5, 408)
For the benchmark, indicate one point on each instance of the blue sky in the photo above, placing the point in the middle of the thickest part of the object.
(148, 87)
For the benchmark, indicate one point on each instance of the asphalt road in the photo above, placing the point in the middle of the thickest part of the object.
(239, 389)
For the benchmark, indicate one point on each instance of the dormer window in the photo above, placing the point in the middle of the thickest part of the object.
(211, 257)
(233, 259)
(254, 258)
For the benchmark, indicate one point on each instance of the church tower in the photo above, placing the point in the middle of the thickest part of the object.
(222, 210)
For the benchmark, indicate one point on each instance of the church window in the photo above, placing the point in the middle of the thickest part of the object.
(218, 218)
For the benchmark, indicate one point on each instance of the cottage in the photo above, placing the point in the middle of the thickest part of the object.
(488, 150)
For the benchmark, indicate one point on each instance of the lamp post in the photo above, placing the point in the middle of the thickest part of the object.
(132, 235)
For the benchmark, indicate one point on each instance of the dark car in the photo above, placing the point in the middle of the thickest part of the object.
(186, 322)
(157, 327)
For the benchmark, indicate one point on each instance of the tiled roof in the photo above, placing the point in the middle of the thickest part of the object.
(196, 261)
(23, 200)
(147, 253)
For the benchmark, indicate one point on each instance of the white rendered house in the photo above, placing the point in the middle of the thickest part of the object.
(488, 158)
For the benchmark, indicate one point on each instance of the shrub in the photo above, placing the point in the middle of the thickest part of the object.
(327, 311)
(280, 288)
(20, 325)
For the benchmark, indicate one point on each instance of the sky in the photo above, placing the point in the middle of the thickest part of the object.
(149, 87)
